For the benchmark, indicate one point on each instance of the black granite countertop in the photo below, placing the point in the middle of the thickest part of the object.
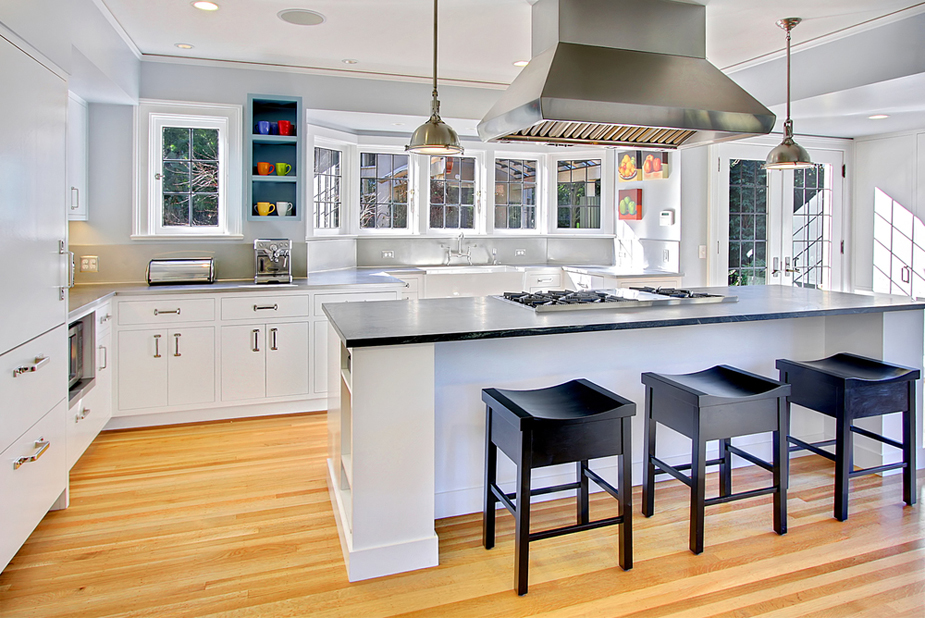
(458, 319)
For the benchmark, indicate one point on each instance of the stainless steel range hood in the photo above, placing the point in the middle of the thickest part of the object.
(629, 73)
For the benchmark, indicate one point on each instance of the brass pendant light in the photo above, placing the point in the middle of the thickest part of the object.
(788, 155)
(435, 137)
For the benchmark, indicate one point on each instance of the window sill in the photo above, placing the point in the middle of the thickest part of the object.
(187, 237)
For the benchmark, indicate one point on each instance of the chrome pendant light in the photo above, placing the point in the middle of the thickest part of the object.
(435, 137)
(788, 155)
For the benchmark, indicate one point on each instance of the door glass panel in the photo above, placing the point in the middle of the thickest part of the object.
(812, 227)
(748, 209)
(899, 248)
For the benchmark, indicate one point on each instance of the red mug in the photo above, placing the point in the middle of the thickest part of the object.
(265, 168)
(285, 127)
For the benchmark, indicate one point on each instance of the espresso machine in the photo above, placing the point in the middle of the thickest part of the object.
(272, 260)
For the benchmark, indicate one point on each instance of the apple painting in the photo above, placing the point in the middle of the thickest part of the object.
(630, 204)
(654, 165)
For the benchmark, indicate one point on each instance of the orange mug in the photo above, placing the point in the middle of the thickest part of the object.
(265, 169)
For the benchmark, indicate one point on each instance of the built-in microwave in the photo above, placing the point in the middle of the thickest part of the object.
(75, 340)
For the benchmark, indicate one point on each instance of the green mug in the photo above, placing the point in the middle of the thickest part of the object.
(282, 169)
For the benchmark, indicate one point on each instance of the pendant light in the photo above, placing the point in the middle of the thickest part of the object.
(435, 137)
(788, 155)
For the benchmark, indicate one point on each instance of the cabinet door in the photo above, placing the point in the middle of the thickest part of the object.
(142, 369)
(243, 362)
(287, 359)
(77, 125)
(87, 417)
(320, 357)
(191, 366)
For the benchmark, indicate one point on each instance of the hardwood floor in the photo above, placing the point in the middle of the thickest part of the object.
(233, 519)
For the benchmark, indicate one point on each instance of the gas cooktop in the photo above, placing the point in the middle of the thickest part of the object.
(619, 298)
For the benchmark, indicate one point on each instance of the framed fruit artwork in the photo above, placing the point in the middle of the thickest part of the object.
(654, 165)
(630, 204)
(628, 162)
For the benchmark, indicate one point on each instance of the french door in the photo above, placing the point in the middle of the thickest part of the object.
(773, 227)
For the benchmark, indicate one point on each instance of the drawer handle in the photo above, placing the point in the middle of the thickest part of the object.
(273, 332)
(582, 285)
(256, 333)
(176, 344)
(41, 445)
(84, 413)
(40, 361)
(105, 357)
(157, 343)
(544, 279)
(273, 307)
(160, 311)
(108, 316)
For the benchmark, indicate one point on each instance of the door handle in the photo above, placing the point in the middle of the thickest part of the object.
(75, 198)
(84, 413)
(105, 357)
(176, 344)
(906, 274)
(157, 349)
(775, 267)
(273, 332)
(256, 334)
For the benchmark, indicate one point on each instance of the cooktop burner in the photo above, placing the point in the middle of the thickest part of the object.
(620, 298)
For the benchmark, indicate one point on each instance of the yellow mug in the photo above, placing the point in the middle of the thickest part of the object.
(282, 169)
(265, 208)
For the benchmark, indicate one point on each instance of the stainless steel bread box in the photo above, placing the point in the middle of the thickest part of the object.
(180, 271)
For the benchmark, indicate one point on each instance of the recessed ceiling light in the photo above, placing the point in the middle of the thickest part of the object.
(521, 63)
(349, 61)
(301, 17)
(878, 116)
(205, 5)
(183, 45)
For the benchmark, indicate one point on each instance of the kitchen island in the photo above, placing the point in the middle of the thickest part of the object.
(406, 421)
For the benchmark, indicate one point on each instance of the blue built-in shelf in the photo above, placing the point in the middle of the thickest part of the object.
(274, 149)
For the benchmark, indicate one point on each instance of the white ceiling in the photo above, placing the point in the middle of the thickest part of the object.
(480, 39)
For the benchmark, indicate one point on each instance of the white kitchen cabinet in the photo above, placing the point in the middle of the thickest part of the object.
(89, 414)
(265, 360)
(541, 281)
(582, 281)
(77, 158)
(161, 367)
(651, 282)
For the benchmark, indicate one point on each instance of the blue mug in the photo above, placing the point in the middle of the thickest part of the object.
(263, 127)
(274, 128)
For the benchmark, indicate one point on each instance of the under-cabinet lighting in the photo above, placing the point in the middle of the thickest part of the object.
(183, 45)
(521, 63)
(878, 116)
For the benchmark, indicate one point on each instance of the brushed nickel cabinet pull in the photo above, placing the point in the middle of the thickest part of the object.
(84, 413)
(256, 333)
(40, 361)
(105, 357)
(157, 350)
(75, 198)
(41, 445)
(273, 332)
(173, 311)
(176, 344)
(273, 307)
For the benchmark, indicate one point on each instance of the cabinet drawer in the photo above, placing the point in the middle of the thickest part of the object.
(350, 297)
(103, 316)
(86, 420)
(262, 307)
(543, 280)
(29, 395)
(132, 312)
(28, 491)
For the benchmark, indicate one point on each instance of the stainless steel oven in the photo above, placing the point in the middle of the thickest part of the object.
(75, 339)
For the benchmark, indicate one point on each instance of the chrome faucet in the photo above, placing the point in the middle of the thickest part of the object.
(450, 254)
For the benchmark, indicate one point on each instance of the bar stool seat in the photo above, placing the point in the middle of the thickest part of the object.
(719, 403)
(573, 422)
(848, 387)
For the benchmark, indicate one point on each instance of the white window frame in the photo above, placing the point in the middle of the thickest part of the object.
(542, 197)
(345, 143)
(608, 179)
(413, 182)
(150, 118)
(423, 203)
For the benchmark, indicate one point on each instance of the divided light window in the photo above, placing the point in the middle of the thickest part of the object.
(578, 189)
(190, 174)
(328, 175)
(383, 190)
(452, 192)
(515, 194)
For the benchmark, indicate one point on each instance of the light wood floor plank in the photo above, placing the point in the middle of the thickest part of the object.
(233, 520)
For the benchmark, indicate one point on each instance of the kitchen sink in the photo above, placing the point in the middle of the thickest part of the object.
(472, 270)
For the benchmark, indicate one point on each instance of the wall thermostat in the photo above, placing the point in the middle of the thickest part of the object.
(666, 217)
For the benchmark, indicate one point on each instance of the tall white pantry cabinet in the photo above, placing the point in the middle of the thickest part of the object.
(33, 299)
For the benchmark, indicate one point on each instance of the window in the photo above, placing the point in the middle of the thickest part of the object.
(383, 190)
(452, 192)
(748, 227)
(328, 175)
(812, 228)
(578, 189)
(189, 172)
(899, 248)
(515, 194)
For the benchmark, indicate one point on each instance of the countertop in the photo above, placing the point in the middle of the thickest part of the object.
(458, 319)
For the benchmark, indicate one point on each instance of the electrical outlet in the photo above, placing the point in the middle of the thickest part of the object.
(89, 264)
(703, 252)
(666, 255)
(520, 252)
(388, 254)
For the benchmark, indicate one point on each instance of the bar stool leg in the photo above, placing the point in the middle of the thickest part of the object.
(698, 491)
(909, 448)
(648, 469)
(781, 453)
(583, 492)
(491, 475)
(625, 504)
(725, 468)
(522, 520)
(843, 456)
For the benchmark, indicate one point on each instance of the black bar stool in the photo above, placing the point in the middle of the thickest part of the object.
(569, 423)
(719, 403)
(847, 387)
